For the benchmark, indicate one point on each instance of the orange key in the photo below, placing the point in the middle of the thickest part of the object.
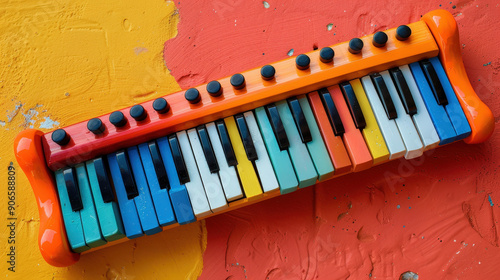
(333, 143)
(353, 139)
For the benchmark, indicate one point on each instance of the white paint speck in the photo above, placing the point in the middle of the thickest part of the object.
(138, 50)
(48, 123)
(329, 26)
(290, 52)
(2, 123)
(266, 5)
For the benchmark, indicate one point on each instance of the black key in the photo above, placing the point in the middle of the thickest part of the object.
(384, 95)
(277, 125)
(161, 173)
(213, 165)
(403, 91)
(180, 166)
(103, 179)
(127, 177)
(331, 110)
(75, 198)
(352, 103)
(226, 143)
(433, 80)
(300, 120)
(246, 137)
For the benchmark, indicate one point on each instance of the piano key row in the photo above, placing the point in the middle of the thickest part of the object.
(283, 146)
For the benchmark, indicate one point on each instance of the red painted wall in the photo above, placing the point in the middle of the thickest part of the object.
(436, 216)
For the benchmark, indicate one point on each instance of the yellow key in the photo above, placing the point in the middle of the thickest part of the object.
(372, 134)
(248, 177)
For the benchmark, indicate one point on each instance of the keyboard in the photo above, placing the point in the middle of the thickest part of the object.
(252, 136)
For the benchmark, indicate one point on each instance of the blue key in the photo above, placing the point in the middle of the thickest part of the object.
(438, 114)
(178, 192)
(88, 214)
(143, 202)
(72, 221)
(454, 110)
(301, 160)
(280, 159)
(128, 211)
(107, 212)
(161, 199)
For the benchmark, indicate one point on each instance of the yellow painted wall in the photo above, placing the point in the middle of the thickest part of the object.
(63, 62)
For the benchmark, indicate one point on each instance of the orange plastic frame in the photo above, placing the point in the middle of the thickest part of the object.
(30, 145)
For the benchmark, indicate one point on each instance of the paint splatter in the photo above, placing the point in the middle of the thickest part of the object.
(486, 64)
(399, 206)
(329, 26)
(266, 5)
(454, 7)
(138, 50)
(14, 112)
(48, 123)
(290, 52)
(491, 201)
(2, 123)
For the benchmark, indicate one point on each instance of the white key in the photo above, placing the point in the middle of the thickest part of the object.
(414, 147)
(388, 127)
(194, 187)
(421, 119)
(211, 181)
(263, 163)
(227, 174)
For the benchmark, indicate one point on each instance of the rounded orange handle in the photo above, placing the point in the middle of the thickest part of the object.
(445, 31)
(52, 238)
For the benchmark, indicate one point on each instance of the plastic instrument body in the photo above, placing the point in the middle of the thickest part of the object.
(38, 156)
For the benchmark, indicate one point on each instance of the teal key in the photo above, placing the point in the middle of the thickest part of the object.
(72, 221)
(302, 162)
(317, 149)
(107, 213)
(88, 214)
(279, 159)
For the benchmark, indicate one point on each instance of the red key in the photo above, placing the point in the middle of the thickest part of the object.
(353, 139)
(333, 143)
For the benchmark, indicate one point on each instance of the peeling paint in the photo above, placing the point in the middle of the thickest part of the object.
(290, 52)
(266, 5)
(329, 26)
(2, 123)
(48, 123)
(14, 112)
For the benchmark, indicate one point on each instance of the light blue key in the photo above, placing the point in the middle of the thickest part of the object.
(316, 147)
(438, 114)
(161, 199)
(178, 193)
(128, 211)
(88, 214)
(280, 159)
(143, 202)
(454, 110)
(302, 162)
(72, 221)
(107, 213)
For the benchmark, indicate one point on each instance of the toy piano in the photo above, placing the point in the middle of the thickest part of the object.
(252, 136)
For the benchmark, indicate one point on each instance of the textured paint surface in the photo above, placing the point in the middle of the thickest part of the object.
(432, 216)
(64, 62)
